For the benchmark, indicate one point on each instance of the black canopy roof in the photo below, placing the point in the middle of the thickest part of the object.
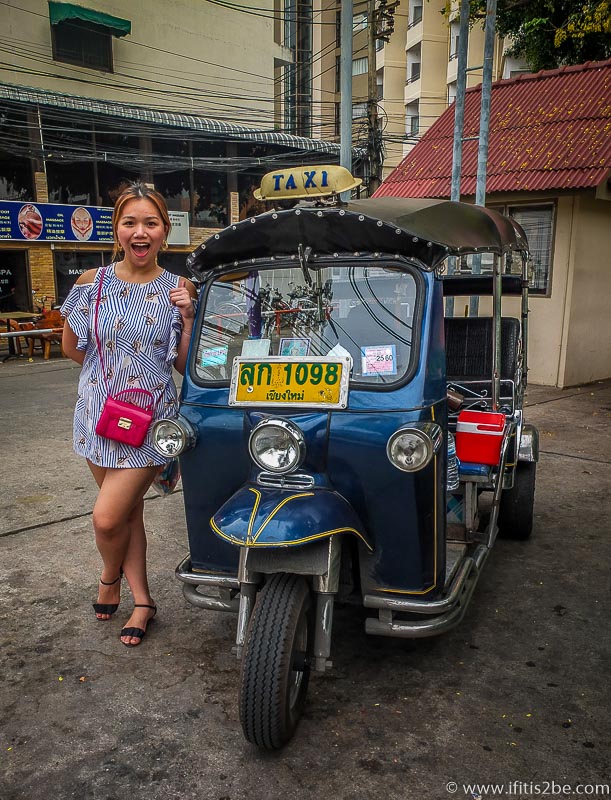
(425, 230)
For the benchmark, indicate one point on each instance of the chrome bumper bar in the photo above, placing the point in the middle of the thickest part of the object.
(228, 587)
(439, 615)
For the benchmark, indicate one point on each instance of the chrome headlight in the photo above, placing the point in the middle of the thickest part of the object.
(277, 445)
(171, 437)
(411, 449)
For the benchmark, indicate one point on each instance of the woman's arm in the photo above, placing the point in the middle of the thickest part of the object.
(182, 297)
(69, 337)
(69, 343)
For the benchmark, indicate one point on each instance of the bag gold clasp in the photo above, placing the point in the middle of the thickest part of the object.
(125, 423)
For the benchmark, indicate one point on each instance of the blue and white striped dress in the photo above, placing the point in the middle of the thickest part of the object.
(139, 332)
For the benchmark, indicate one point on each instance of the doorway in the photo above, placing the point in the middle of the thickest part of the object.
(15, 290)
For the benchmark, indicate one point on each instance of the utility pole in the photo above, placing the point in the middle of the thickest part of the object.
(380, 25)
(459, 118)
(345, 76)
(372, 100)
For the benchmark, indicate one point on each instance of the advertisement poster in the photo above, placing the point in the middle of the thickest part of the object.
(50, 222)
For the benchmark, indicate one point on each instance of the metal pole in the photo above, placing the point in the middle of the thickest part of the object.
(524, 319)
(496, 333)
(345, 74)
(459, 117)
(484, 124)
(459, 104)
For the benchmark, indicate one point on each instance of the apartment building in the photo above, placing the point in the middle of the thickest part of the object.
(415, 69)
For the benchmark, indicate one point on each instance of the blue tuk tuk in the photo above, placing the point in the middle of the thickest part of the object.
(341, 438)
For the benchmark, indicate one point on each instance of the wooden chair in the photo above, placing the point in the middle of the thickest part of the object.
(49, 319)
(16, 326)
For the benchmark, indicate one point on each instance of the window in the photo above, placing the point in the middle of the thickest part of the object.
(454, 37)
(537, 221)
(538, 224)
(412, 119)
(83, 43)
(369, 311)
(359, 23)
(359, 110)
(415, 14)
(359, 66)
(414, 60)
(15, 168)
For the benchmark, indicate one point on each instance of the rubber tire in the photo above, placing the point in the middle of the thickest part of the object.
(279, 633)
(516, 510)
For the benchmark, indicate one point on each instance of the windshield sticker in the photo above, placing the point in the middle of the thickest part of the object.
(214, 356)
(256, 348)
(379, 360)
(294, 346)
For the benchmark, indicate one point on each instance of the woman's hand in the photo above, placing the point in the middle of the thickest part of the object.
(182, 297)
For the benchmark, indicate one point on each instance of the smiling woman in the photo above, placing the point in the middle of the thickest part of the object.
(127, 324)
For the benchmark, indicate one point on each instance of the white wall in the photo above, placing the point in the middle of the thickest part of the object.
(587, 353)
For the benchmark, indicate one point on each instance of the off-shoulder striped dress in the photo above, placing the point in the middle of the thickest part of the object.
(139, 331)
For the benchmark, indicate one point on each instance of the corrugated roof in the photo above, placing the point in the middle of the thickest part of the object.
(135, 113)
(548, 130)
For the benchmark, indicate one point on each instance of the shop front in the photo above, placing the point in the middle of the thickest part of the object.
(44, 247)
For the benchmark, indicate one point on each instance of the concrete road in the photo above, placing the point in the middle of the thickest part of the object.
(518, 695)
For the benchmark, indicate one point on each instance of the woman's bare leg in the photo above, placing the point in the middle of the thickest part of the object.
(134, 567)
(116, 514)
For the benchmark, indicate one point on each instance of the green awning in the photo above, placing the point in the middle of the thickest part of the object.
(60, 12)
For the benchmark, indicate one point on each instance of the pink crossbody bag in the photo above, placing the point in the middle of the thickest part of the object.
(123, 421)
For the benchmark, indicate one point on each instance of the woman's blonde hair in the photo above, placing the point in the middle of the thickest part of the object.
(138, 191)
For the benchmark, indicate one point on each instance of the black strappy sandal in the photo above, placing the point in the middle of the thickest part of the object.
(107, 608)
(138, 632)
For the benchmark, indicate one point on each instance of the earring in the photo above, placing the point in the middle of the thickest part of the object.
(164, 245)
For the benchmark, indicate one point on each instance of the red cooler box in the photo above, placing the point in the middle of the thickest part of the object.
(478, 436)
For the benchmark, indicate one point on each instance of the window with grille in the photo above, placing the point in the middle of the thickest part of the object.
(538, 224)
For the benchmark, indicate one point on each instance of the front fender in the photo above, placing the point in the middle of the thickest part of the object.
(256, 516)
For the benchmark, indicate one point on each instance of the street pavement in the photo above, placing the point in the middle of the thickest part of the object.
(519, 692)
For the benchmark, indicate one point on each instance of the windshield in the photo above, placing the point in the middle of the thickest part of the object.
(366, 311)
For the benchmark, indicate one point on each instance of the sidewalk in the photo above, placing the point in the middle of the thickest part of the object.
(517, 692)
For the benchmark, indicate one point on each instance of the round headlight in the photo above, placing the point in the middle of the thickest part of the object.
(171, 437)
(411, 449)
(277, 445)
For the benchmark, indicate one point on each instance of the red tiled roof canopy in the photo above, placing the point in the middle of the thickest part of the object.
(548, 130)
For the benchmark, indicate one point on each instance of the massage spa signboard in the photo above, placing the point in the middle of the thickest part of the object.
(51, 222)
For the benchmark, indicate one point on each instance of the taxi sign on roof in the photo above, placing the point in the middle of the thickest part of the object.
(314, 181)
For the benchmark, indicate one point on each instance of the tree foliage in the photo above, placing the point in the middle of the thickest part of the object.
(553, 33)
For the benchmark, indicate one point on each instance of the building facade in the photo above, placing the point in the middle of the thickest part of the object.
(179, 95)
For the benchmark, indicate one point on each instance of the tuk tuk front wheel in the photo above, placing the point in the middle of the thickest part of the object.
(516, 510)
(275, 669)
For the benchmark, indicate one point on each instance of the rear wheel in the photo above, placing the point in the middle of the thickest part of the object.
(517, 504)
(275, 668)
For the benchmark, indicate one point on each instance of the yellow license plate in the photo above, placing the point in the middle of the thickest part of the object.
(290, 381)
